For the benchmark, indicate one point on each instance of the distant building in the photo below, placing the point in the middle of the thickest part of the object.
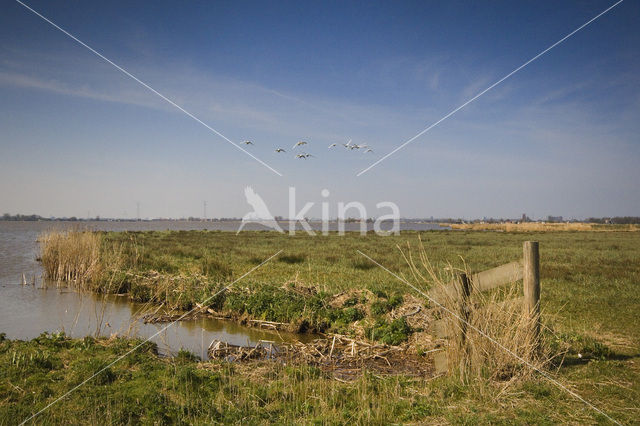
(554, 218)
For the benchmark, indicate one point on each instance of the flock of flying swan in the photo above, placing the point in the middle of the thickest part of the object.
(303, 155)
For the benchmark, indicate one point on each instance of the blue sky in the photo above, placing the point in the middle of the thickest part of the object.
(560, 137)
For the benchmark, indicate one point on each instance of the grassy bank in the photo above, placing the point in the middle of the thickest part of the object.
(590, 301)
(143, 388)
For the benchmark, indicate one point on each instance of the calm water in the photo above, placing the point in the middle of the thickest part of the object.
(27, 311)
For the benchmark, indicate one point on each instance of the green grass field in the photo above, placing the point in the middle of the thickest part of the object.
(589, 279)
(590, 299)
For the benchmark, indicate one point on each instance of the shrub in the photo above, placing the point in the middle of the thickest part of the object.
(393, 333)
(381, 307)
(346, 315)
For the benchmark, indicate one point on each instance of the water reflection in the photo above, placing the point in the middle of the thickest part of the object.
(28, 311)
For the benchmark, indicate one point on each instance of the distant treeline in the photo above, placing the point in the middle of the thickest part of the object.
(623, 220)
(618, 220)
(30, 218)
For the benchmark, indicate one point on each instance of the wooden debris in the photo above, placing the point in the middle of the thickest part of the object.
(264, 349)
(268, 324)
(154, 318)
(415, 311)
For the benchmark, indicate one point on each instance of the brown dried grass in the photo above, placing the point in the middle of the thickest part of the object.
(524, 227)
(71, 256)
(489, 337)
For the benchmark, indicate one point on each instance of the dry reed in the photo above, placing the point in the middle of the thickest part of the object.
(484, 333)
(526, 227)
(71, 256)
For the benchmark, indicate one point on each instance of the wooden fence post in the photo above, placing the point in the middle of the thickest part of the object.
(462, 292)
(531, 283)
(465, 293)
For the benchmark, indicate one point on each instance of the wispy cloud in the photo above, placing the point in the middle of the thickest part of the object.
(548, 117)
(84, 91)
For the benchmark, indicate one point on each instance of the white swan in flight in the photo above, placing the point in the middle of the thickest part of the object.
(300, 143)
(280, 150)
(247, 143)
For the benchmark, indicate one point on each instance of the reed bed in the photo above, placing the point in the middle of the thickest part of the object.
(71, 256)
(542, 227)
(527, 227)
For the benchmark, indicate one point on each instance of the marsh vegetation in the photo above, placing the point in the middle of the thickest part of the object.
(589, 304)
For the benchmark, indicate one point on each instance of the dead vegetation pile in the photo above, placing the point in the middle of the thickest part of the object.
(342, 356)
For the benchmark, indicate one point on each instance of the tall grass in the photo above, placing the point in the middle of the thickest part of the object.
(71, 256)
(490, 336)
